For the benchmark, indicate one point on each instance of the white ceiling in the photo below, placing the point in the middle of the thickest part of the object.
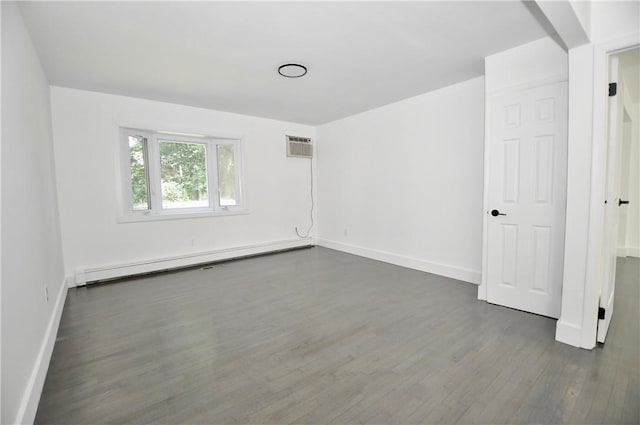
(224, 55)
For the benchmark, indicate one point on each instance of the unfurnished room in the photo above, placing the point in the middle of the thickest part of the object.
(320, 212)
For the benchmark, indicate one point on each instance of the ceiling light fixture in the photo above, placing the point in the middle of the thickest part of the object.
(292, 70)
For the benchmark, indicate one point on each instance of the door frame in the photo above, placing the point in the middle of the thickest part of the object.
(597, 218)
(586, 292)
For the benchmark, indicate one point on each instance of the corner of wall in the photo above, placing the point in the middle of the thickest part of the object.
(27, 222)
(541, 61)
(31, 397)
(453, 272)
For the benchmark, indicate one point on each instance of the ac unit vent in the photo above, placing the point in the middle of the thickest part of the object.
(299, 147)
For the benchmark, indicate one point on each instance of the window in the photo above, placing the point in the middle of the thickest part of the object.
(167, 174)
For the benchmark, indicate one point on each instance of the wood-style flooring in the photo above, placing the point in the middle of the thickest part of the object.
(319, 336)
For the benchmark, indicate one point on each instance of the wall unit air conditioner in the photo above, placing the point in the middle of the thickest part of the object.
(299, 147)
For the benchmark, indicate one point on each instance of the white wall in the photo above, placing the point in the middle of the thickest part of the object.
(583, 266)
(31, 251)
(582, 9)
(633, 216)
(614, 19)
(629, 224)
(403, 183)
(535, 62)
(86, 144)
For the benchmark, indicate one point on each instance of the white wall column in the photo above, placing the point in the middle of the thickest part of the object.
(570, 325)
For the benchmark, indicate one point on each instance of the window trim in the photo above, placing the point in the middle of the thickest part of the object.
(156, 211)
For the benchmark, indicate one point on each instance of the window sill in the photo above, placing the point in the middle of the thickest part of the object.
(139, 218)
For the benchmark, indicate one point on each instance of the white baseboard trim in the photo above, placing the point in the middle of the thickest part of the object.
(90, 274)
(459, 273)
(632, 251)
(31, 397)
(569, 333)
(628, 251)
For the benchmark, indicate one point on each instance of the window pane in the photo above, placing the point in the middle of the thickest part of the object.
(139, 181)
(226, 176)
(183, 174)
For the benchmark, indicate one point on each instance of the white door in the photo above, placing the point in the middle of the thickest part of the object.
(526, 178)
(611, 207)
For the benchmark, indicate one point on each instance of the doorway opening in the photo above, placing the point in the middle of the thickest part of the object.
(622, 189)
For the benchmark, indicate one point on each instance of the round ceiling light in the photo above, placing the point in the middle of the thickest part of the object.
(292, 70)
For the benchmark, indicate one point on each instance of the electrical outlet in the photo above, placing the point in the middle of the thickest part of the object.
(46, 293)
(346, 233)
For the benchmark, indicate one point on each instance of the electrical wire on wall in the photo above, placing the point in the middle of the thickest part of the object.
(306, 236)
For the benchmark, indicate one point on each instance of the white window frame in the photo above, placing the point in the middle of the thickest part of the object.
(156, 211)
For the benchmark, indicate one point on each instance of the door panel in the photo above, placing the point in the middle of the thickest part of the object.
(546, 110)
(527, 182)
(544, 169)
(511, 170)
(542, 249)
(509, 254)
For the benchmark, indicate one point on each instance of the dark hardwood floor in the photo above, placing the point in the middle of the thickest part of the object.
(319, 336)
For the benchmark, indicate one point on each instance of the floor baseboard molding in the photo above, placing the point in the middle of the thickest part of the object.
(569, 333)
(632, 251)
(628, 251)
(459, 273)
(31, 397)
(93, 274)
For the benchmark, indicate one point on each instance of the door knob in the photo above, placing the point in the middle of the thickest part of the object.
(621, 202)
(496, 213)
